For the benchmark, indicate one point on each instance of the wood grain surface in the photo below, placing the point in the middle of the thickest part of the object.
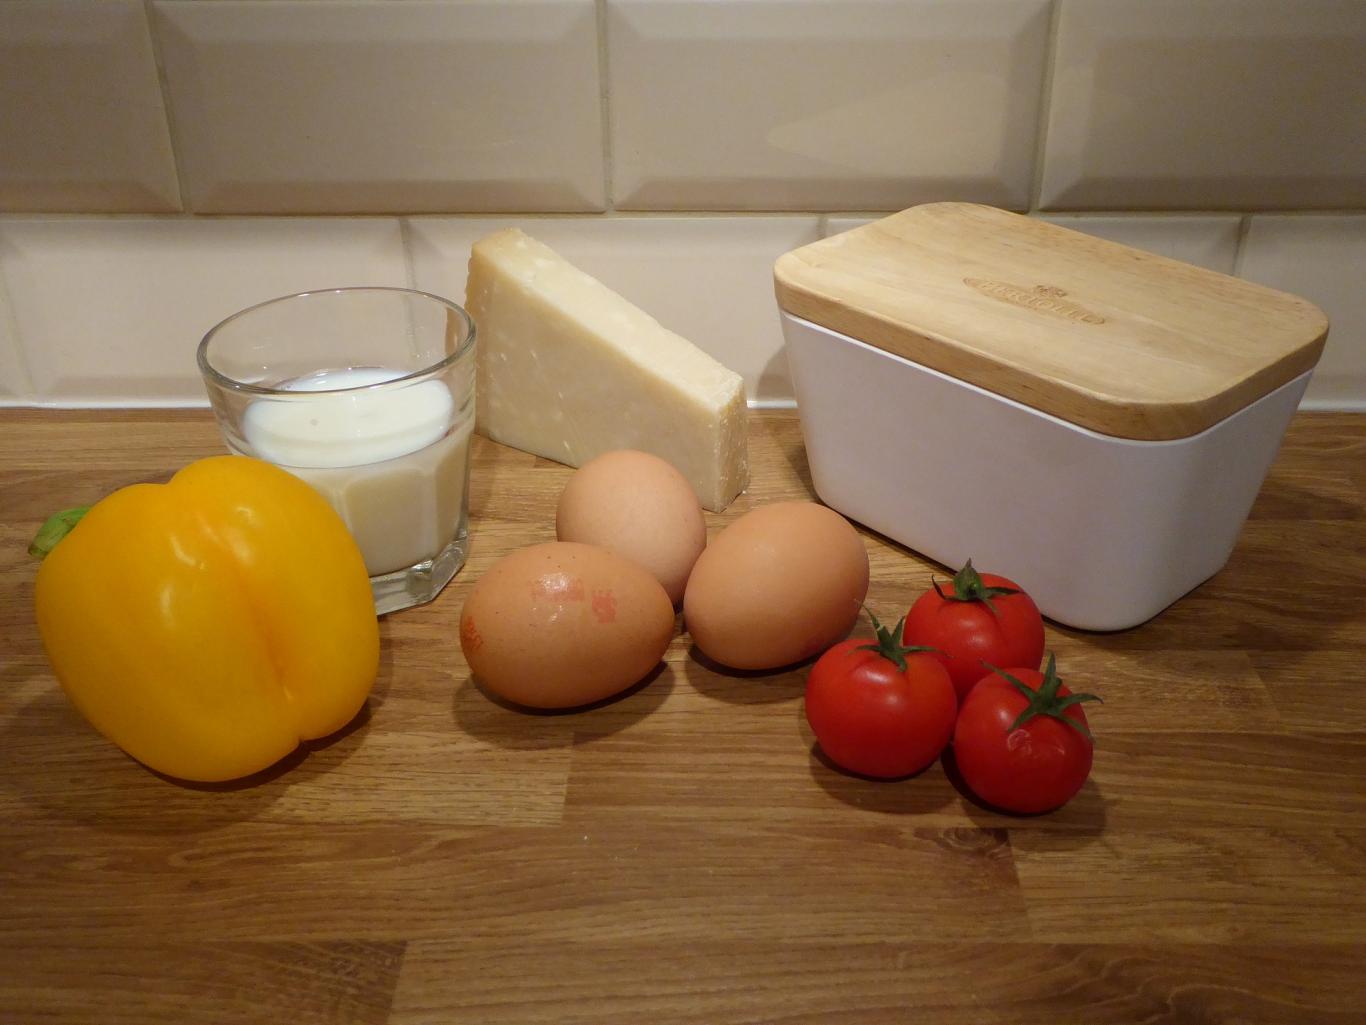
(1125, 342)
(684, 854)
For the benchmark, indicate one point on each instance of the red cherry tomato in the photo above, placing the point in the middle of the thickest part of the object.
(975, 619)
(1022, 742)
(878, 708)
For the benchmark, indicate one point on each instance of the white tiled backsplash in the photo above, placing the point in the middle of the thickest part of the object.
(165, 162)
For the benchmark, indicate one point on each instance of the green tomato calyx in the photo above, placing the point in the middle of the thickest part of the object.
(1045, 700)
(889, 644)
(58, 525)
(968, 586)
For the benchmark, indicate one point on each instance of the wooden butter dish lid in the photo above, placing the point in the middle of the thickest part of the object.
(1107, 337)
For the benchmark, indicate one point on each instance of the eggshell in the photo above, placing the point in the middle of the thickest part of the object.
(562, 624)
(780, 584)
(640, 507)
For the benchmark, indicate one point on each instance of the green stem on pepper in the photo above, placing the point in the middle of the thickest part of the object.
(58, 525)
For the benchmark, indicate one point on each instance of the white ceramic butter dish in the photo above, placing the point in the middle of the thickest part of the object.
(1090, 420)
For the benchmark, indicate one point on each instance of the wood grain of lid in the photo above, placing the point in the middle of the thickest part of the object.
(1111, 338)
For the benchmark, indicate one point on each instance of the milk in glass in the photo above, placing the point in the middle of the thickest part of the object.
(392, 462)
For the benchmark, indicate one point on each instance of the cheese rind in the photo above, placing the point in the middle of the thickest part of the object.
(568, 370)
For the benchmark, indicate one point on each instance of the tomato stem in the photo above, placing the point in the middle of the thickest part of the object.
(1045, 700)
(969, 586)
(57, 526)
(888, 644)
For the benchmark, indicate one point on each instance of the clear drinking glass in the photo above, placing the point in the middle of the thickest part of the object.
(368, 395)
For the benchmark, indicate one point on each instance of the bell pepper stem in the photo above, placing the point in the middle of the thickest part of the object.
(58, 525)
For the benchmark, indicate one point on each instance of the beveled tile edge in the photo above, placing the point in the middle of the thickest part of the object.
(165, 196)
(1343, 391)
(1300, 215)
(601, 16)
(137, 199)
(133, 402)
(76, 387)
(1063, 194)
(748, 337)
(387, 198)
(1044, 114)
(25, 402)
(27, 398)
(151, 15)
(16, 381)
(173, 186)
(1335, 404)
(641, 193)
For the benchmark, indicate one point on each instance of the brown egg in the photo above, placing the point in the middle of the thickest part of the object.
(780, 584)
(559, 625)
(640, 507)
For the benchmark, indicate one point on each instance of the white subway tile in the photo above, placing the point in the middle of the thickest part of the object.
(1323, 259)
(111, 310)
(1205, 240)
(1207, 104)
(708, 278)
(839, 225)
(82, 126)
(376, 106)
(823, 104)
(14, 382)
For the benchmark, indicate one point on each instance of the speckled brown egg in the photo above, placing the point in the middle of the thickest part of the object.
(640, 507)
(780, 584)
(563, 624)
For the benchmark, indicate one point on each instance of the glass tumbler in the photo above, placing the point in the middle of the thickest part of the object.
(368, 395)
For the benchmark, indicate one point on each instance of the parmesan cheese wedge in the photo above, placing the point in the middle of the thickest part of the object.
(568, 369)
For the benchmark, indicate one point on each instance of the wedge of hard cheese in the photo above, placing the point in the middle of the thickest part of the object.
(568, 369)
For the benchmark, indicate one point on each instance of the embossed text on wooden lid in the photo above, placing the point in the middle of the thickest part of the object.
(1111, 338)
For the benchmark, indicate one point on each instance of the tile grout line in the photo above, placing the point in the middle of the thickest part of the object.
(1050, 59)
(1240, 244)
(163, 84)
(114, 217)
(405, 241)
(605, 106)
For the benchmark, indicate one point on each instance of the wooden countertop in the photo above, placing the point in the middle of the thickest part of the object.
(682, 855)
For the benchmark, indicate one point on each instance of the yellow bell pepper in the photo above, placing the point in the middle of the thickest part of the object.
(209, 624)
